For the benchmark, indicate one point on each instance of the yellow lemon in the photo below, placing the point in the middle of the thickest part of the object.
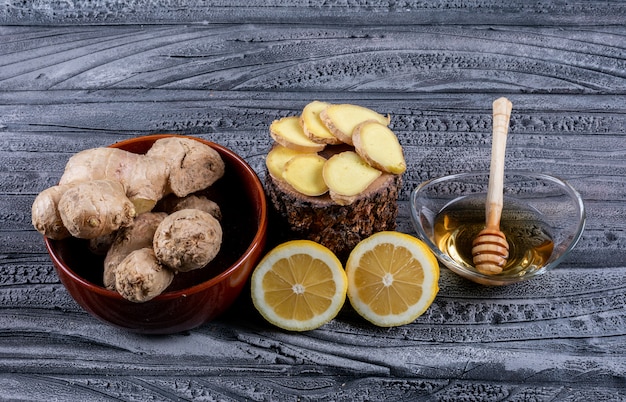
(392, 278)
(299, 285)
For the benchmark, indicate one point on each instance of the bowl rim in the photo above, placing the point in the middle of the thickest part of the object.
(256, 242)
(497, 279)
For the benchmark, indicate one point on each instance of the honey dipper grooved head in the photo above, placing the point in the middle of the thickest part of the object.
(490, 251)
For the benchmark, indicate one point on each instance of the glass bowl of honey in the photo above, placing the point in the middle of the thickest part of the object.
(543, 217)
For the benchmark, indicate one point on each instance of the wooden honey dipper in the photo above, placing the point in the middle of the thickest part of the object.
(490, 250)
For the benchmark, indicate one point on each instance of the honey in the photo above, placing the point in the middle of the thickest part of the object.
(529, 238)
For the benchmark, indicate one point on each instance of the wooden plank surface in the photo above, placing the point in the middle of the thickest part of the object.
(75, 75)
(342, 12)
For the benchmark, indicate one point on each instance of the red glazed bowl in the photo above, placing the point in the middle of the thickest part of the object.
(194, 297)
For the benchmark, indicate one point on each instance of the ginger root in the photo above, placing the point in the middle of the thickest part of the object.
(172, 164)
(144, 179)
(95, 208)
(105, 195)
(45, 214)
(193, 166)
(175, 164)
(190, 239)
(172, 204)
(187, 239)
(136, 236)
(141, 277)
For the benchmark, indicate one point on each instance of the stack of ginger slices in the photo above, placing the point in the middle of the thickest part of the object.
(334, 174)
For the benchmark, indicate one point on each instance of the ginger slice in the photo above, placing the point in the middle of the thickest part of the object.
(276, 159)
(347, 174)
(379, 146)
(288, 133)
(342, 119)
(313, 126)
(304, 173)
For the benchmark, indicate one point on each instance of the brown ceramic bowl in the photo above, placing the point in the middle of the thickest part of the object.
(194, 297)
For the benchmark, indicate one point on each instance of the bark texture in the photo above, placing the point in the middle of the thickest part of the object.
(338, 227)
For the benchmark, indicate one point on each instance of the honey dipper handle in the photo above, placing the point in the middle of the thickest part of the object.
(501, 115)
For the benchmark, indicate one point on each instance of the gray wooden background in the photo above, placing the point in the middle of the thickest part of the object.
(80, 74)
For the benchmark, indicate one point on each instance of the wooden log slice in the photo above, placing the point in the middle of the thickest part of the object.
(338, 227)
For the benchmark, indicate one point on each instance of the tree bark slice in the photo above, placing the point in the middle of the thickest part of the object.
(338, 227)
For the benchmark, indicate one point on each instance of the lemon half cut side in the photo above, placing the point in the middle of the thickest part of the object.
(392, 278)
(299, 285)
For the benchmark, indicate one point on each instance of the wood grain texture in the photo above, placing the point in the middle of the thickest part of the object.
(75, 75)
(329, 12)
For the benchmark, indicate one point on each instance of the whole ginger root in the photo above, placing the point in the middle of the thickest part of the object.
(193, 165)
(173, 164)
(134, 237)
(95, 208)
(141, 277)
(144, 179)
(141, 234)
(105, 195)
(187, 239)
(45, 214)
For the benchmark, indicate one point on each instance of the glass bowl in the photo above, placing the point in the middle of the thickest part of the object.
(543, 218)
